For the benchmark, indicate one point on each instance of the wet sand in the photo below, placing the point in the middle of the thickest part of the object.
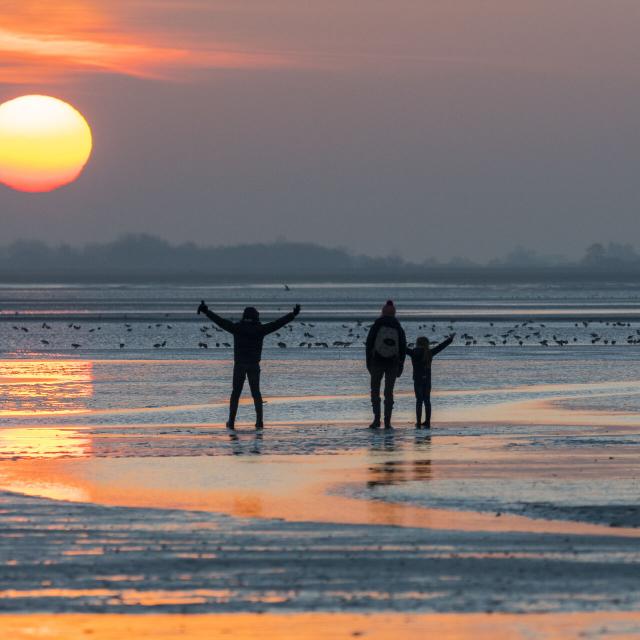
(318, 488)
(78, 557)
(318, 626)
(518, 513)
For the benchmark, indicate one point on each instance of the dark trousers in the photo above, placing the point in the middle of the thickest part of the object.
(388, 370)
(422, 388)
(252, 373)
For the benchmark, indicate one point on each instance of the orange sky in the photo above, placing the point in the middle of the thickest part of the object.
(143, 37)
(44, 41)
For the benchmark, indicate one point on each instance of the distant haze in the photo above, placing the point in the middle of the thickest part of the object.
(418, 129)
(143, 258)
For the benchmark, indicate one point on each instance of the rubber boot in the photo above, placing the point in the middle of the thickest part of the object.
(388, 409)
(259, 413)
(427, 421)
(375, 405)
(233, 411)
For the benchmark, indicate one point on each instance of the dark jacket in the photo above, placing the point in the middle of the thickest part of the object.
(248, 335)
(422, 366)
(371, 340)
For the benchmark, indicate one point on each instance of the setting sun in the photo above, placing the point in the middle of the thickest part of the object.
(44, 143)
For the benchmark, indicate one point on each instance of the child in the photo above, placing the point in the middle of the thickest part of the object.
(421, 357)
(248, 335)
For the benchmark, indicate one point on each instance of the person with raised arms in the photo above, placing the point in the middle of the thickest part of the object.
(248, 337)
(421, 359)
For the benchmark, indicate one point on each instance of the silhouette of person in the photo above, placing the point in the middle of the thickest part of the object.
(248, 336)
(386, 349)
(421, 358)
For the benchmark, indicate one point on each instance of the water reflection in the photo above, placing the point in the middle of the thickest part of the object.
(390, 472)
(43, 442)
(383, 440)
(251, 445)
(34, 388)
(397, 471)
(31, 388)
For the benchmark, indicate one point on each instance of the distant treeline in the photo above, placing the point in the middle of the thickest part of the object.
(144, 258)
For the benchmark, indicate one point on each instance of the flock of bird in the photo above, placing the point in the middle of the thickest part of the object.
(526, 333)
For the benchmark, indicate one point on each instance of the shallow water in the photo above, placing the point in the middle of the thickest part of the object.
(538, 439)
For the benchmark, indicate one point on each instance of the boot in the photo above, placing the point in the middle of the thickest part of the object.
(388, 409)
(427, 418)
(233, 411)
(375, 404)
(258, 404)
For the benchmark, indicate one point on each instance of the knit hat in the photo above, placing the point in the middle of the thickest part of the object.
(251, 313)
(389, 310)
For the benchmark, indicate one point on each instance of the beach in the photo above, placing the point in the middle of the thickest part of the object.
(122, 493)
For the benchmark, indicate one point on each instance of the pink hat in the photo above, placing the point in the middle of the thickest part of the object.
(389, 309)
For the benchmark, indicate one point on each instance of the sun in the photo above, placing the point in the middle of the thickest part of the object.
(44, 143)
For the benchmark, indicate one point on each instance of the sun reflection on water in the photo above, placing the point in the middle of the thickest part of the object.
(44, 388)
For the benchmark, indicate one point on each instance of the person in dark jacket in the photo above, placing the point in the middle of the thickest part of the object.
(421, 358)
(386, 349)
(248, 336)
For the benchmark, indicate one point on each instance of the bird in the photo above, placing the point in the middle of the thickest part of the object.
(75, 345)
(44, 341)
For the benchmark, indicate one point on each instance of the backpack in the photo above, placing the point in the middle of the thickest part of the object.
(387, 342)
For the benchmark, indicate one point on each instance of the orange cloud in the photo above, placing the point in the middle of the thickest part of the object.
(39, 41)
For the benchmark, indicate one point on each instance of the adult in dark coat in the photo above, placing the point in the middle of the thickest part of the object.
(386, 349)
(248, 336)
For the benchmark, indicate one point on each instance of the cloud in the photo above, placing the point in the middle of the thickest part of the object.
(39, 42)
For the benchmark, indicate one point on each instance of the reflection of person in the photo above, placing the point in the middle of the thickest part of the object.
(421, 357)
(237, 447)
(248, 336)
(386, 349)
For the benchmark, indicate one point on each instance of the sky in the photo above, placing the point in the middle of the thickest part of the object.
(423, 128)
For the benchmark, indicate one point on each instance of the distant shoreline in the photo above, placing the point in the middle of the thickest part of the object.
(434, 276)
